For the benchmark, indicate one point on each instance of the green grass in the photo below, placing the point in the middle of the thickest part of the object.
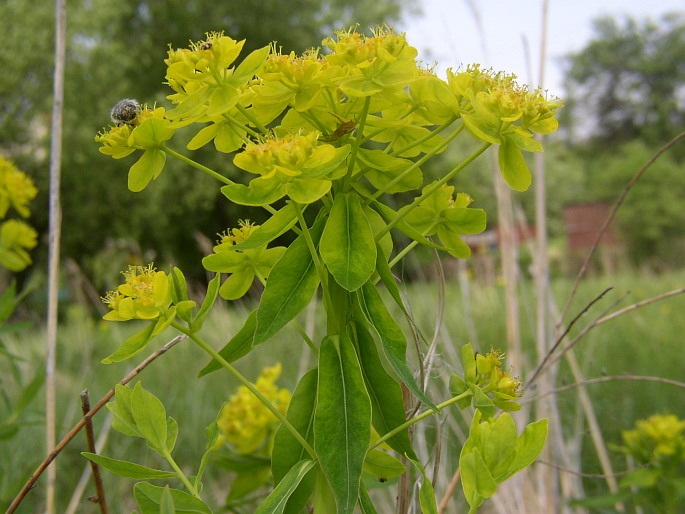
(645, 342)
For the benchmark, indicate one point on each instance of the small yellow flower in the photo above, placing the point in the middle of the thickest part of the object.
(494, 380)
(144, 295)
(16, 189)
(245, 422)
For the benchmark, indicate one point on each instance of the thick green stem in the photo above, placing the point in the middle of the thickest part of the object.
(249, 385)
(418, 418)
(357, 142)
(197, 165)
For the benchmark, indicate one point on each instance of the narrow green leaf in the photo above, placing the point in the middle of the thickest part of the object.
(392, 338)
(342, 420)
(29, 392)
(171, 434)
(239, 345)
(287, 451)
(386, 276)
(149, 498)
(291, 285)
(133, 345)
(513, 166)
(365, 502)
(127, 469)
(207, 304)
(385, 394)
(426, 492)
(275, 503)
(347, 243)
(405, 228)
(150, 416)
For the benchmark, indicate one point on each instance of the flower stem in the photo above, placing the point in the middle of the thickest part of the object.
(431, 189)
(197, 165)
(249, 385)
(315, 258)
(418, 418)
(181, 476)
(357, 141)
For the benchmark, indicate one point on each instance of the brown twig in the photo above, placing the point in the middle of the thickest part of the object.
(586, 475)
(601, 320)
(608, 378)
(449, 491)
(90, 439)
(610, 218)
(78, 426)
(562, 336)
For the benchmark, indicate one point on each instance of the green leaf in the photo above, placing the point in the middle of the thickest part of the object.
(276, 225)
(207, 304)
(377, 224)
(482, 402)
(476, 480)
(8, 302)
(148, 167)
(291, 285)
(342, 420)
(468, 361)
(480, 128)
(347, 245)
(513, 166)
(121, 409)
(498, 448)
(392, 338)
(405, 228)
(250, 65)
(385, 393)
(150, 418)
(259, 192)
(386, 276)
(132, 345)
(426, 493)
(127, 469)
(149, 498)
(365, 502)
(528, 446)
(275, 503)
(166, 505)
(382, 465)
(384, 168)
(172, 434)
(239, 345)
(287, 451)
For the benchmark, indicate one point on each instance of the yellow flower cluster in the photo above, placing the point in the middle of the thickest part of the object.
(493, 379)
(144, 295)
(16, 237)
(244, 421)
(237, 235)
(657, 438)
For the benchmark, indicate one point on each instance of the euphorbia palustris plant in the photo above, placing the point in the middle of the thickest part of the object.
(337, 132)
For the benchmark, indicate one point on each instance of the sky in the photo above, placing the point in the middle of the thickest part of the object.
(448, 32)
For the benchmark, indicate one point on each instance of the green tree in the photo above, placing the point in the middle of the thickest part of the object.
(629, 80)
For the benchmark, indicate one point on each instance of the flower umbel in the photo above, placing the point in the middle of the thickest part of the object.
(489, 385)
(144, 295)
(244, 421)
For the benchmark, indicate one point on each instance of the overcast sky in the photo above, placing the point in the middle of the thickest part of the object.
(448, 32)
